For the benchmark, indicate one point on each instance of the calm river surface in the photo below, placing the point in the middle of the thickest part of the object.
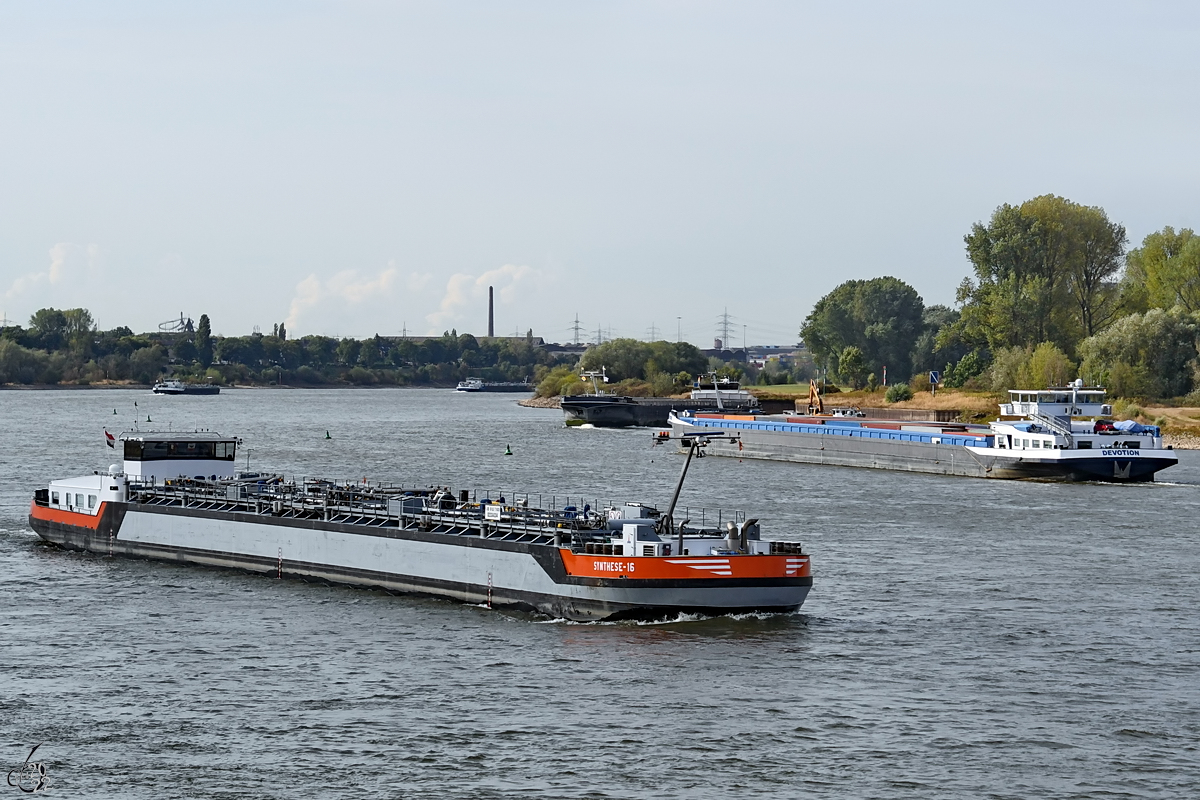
(964, 638)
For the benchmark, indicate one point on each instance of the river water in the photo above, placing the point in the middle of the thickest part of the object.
(964, 638)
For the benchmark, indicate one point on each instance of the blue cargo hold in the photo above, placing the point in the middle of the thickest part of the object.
(844, 429)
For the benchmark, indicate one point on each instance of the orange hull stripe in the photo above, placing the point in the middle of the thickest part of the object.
(685, 567)
(67, 517)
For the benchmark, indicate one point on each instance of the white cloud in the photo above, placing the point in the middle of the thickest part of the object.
(70, 265)
(349, 289)
(465, 292)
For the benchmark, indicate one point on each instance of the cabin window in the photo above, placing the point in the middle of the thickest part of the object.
(1024, 443)
(164, 451)
(79, 500)
(91, 501)
(1037, 442)
(54, 498)
(1083, 445)
(1133, 445)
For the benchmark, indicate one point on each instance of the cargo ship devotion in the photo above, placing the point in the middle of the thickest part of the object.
(177, 497)
(1046, 441)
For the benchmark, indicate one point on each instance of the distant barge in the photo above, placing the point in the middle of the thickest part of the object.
(476, 385)
(173, 387)
(1046, 443)
(615, 411)
(177, 498)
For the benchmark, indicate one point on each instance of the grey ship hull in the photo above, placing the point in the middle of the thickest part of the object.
(938, 459)
(522, 576)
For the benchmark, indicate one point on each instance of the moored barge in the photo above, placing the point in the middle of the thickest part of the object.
(178, 498)
(603, 410)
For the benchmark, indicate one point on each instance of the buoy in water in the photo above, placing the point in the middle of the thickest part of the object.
(507, 450)
(327, 436)
(147, 418)
(114, 411)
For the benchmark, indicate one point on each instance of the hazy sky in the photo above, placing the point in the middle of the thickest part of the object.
(355, 168)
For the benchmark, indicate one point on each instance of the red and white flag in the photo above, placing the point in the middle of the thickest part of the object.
(110, 440)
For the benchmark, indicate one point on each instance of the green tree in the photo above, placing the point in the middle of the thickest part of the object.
(929, 351)
(320, 350)
(955, 376)
(1149, 355)
(882, 317)
(348, 351)
(1008, 368)
(185, 350)
(621, 359)
(203, 341)
(19, 364)
(368, 353)
(671, 358)
(852, 366)
(1044, 271)
(147, 364)
(1047, 366)
(48, 326)
(1164, 272)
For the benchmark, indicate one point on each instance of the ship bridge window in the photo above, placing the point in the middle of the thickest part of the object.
(54, 498)
(163, 451)
(91, 501)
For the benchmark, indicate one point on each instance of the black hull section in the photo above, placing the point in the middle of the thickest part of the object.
(646, 412)
(1107, 470)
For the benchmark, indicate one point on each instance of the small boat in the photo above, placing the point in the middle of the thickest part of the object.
(1045, 442)
(179, 387)
(177, 497)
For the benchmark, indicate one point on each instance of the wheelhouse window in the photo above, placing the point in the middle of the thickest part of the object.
(164, 451)
(91, 501)
(54, 498)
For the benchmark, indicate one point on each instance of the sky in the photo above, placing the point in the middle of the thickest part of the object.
(355, 168)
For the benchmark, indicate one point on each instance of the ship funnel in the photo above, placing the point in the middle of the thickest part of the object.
(731, 536)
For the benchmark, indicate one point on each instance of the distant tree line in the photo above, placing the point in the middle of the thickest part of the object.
(65, 346)
(1054, 294)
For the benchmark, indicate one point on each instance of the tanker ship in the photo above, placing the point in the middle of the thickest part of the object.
(177, 497)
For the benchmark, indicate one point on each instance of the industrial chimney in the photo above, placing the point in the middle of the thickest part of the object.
(491, 315)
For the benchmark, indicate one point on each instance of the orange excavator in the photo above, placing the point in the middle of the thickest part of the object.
(815, 404)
